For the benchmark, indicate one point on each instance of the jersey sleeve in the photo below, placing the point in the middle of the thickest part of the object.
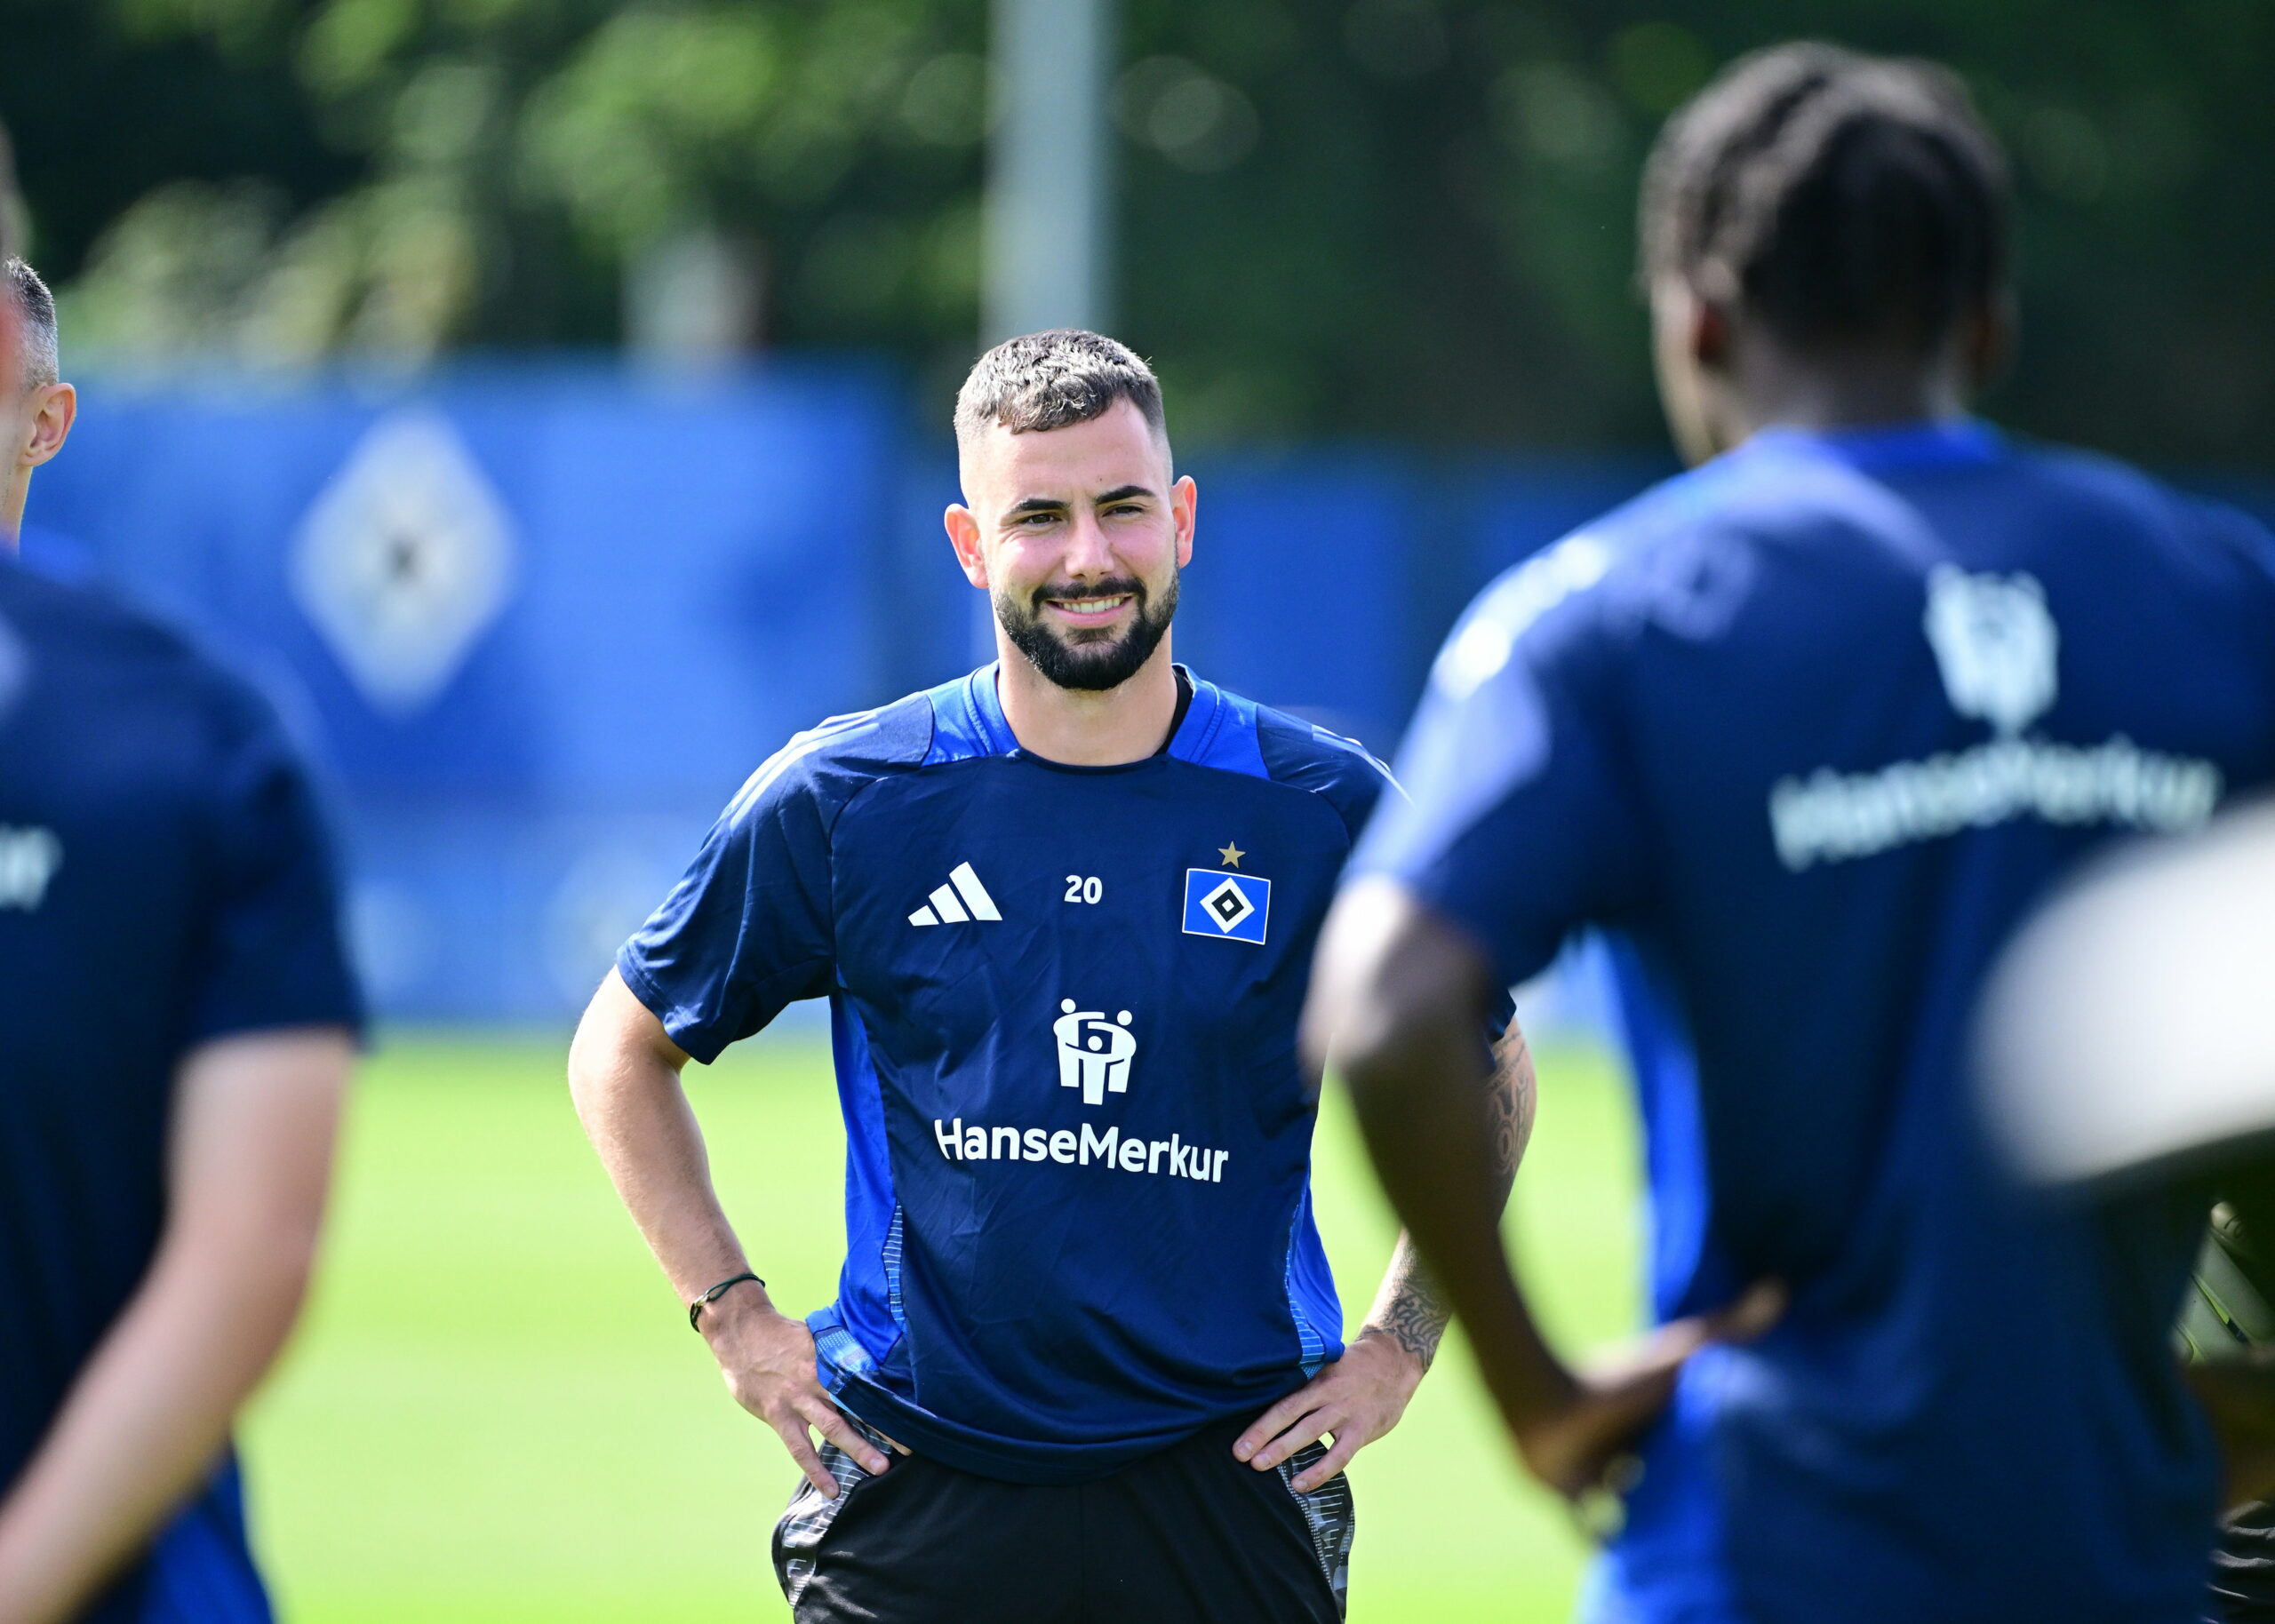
(1520, 822)
(272, 956)
(1340, 770)
(747, 929)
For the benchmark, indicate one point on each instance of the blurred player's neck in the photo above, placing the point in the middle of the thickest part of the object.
(1084, 728)
(1770, 385)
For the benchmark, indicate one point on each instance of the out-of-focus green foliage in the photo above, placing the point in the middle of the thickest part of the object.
(1378, 217)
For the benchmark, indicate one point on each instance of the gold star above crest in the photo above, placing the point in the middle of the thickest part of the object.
(1231, 855)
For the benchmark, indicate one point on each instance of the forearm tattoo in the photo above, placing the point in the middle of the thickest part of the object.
(1414, 1315)
(1509, 1098)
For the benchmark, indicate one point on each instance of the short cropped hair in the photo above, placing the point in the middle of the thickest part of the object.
(1840, 198)
(34, 308)
(1054, 379)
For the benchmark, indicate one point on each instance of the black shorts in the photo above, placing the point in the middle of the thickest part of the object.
(1187, 1534)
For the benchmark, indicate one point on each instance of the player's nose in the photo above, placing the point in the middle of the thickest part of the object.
(1088, 555)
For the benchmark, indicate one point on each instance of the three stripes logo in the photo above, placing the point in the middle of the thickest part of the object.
(962, 899)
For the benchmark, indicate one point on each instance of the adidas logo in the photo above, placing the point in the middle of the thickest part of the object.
(945, 906)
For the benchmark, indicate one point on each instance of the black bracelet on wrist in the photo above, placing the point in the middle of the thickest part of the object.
(695, 1308)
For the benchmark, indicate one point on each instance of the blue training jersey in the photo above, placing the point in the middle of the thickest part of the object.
(164, 881)
(1077, 1206)
(1807, 731)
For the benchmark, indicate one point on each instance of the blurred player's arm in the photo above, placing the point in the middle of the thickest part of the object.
(1396, 1002)
(1362, 1394)
(1410, 1309)
(624, 1075)
(249, 1164)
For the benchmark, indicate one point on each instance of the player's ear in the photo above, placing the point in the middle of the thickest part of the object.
(51, 420)
(964, 536)
(1185, 507)
(1710, 333)
(1689, 327)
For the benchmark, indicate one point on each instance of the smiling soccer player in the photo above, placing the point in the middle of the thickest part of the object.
(1063, 909)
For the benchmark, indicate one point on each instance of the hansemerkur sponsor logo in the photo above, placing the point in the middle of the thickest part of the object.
(1096, 1055)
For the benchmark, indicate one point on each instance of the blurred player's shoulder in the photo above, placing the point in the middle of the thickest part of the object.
(1598, 585)
(51, 603)
(90, 634)
(1812, 529)
(2197, 532)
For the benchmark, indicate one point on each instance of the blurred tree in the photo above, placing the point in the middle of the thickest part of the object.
(412, 174)
(1403, 218)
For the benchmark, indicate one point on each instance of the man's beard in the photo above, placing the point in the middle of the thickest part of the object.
(1100, 660)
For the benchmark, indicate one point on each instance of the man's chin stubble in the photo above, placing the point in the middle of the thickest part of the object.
(1099, 666)
(1095, 668)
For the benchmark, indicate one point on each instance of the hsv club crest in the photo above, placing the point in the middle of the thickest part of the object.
(1995, 643)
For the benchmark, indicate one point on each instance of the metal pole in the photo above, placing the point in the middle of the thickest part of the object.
(1050, 236)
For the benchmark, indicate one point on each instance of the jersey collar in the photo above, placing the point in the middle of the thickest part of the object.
(1215, 728)
(1218, 730)
(991, 729)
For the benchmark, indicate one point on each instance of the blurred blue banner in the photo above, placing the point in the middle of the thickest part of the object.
(537, 623)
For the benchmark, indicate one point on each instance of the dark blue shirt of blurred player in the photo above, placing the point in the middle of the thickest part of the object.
(1805, 881)
(1807, 732)
(163, 883)
(165, 888)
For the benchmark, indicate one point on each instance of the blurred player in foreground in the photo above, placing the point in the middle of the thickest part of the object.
(175, 1020)
(47, 407)
(2128, 1036)
(1808, 730)
(1064, 911)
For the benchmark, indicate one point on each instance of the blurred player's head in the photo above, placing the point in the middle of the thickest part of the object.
(1072, 518)
(1824, 239)
(41, 408)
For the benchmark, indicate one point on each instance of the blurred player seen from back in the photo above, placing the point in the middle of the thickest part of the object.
(176, 1019)
(1807, 731)
(1063, 909)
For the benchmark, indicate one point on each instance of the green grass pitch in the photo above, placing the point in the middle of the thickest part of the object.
(495, 1413)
